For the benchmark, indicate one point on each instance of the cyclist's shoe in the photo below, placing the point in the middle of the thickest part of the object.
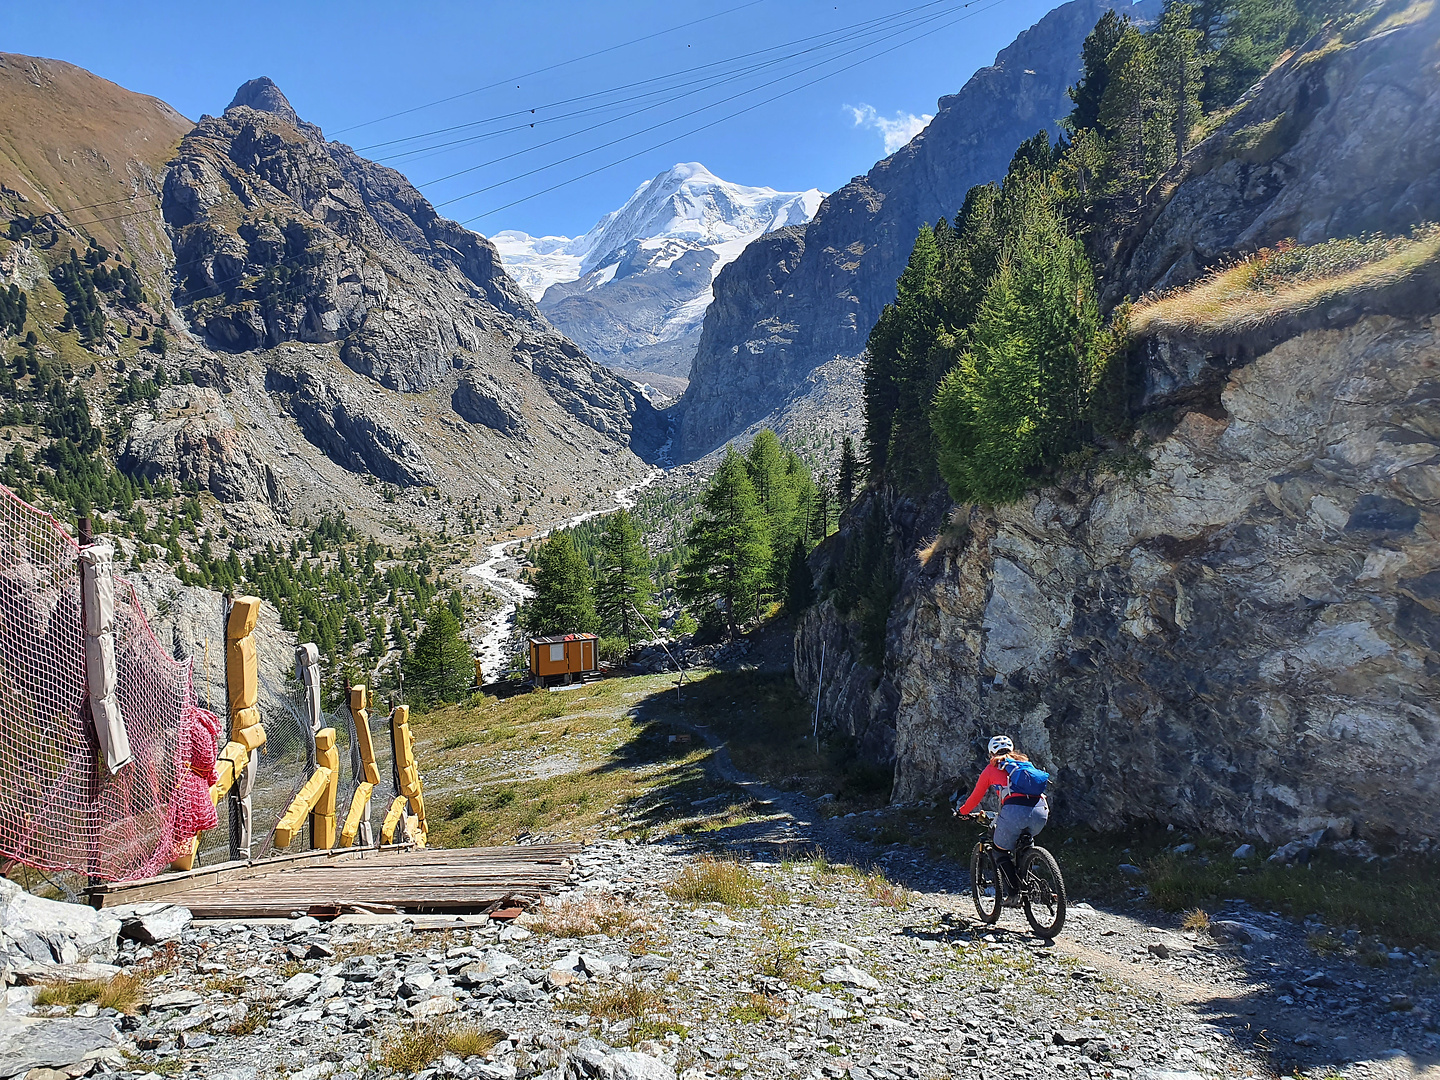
(1012, 900)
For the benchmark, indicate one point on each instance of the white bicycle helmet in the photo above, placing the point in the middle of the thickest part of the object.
(1001, 744)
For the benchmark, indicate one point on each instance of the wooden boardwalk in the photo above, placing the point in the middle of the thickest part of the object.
(428, 881)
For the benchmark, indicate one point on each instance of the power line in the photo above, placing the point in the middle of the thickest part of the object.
(892, 32)
(721, 120)
(841, 30)
(703, 108)
(714, 80)
(718, 80)
(551, 67)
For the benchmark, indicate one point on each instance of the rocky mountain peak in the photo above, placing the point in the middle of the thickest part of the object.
(263, 95)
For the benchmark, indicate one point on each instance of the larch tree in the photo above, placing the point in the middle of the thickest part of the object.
(440, 667)
(564, 600)
(625, 585)
(849, 470)
(728, 557)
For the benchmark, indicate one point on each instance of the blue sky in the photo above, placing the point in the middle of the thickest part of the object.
(347, 65)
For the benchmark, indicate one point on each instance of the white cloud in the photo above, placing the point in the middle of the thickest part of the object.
(896, 130)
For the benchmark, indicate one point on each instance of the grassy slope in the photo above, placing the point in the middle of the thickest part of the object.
(1286, 282)
(72, 139)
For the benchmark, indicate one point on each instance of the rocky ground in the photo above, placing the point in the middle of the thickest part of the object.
(807, 968)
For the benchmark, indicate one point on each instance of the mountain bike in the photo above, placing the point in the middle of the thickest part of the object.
(1042, 887)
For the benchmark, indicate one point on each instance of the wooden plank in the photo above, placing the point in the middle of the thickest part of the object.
(451, 880)
(109, 894)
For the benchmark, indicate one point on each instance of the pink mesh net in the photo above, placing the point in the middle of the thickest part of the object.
(60, 809)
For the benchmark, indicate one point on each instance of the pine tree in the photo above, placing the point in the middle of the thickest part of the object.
(1132, 111)
(625, 584)
(849, 467)
(785, 491)
(1016, 401)
(1180, 63)
(440, 667)
(1095, 56)
(728, 554)
(564, 600)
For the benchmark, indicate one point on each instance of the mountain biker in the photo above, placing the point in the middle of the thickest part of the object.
(1018, 811)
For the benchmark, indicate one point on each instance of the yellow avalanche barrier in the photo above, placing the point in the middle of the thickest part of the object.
(409, 775)
(243, 693)
(316, 798)
(358, 709)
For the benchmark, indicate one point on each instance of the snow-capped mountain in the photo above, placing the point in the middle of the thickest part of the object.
(633, 290)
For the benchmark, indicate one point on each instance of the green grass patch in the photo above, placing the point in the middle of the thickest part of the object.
(119, 992)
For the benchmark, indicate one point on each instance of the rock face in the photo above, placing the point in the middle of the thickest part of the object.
(336, 419)
(799, 297)
(1247, 638)
(283, 237)
(188, 437)
(50, 932)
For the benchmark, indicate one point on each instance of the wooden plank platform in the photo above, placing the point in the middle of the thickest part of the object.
(432, 880)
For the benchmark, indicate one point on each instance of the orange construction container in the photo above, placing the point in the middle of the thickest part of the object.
(565, 657)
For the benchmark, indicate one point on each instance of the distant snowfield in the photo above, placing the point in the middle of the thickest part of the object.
(687, 203)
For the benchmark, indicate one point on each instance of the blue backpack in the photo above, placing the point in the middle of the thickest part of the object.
(1025, 778)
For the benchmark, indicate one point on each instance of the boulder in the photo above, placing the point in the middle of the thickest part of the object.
(591, 1059)
(1243, 932)
(32, 1043)
(65, 933)
(850, 975)
(152, 923)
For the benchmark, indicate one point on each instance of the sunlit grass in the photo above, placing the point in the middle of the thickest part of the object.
(122, 993)
(723, 881)
(1286, 280)
(609, 915)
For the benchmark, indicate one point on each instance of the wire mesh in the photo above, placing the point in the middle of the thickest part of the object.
(59, 808)
(283, 768)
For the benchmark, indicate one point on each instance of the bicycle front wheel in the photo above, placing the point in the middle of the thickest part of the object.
(1042, 892)
(985, 884)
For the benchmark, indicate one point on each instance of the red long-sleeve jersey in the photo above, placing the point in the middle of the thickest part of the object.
(991, 777)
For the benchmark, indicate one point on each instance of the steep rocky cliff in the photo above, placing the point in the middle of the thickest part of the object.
(800, 297)
(1247, 637)
(281, 236)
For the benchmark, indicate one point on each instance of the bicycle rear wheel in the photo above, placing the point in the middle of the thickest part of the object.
(985, 884)
(1042, 892)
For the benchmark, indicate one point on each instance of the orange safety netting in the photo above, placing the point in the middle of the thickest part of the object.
(60, 809)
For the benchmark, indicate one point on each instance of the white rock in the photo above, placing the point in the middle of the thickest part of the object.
(850, 975)
(299, 986)
(828, 947)
(89, 934)
(433, 1006)
(1244, 851)
(152, 923)
(180, 999)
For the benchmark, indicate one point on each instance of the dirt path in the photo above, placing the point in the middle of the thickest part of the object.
(1270, 996)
